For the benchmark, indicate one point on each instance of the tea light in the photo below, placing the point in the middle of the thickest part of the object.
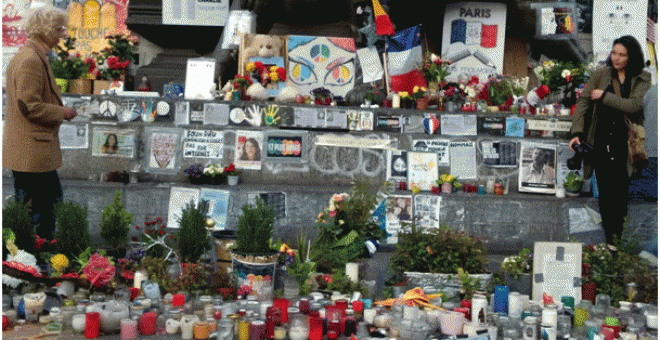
(128, 329)
(369, 314)
(628, 336)
(652, 321)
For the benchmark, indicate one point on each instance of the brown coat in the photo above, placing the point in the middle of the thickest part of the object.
(632, 107)
(30, 140)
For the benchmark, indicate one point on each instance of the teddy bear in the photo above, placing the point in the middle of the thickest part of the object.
(262, 45)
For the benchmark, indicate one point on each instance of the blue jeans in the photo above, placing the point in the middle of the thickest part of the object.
(45, 191)
(645, 186)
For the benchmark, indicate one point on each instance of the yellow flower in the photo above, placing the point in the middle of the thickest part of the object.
(249, 67)
(403, 94)
(423, 89)
(415, 189)
(415, 89)
(273, 69)
(59, 262)
(274, 76)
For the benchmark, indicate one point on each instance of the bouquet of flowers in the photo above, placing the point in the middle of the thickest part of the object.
(435, 69)
(241, 82)
(518, 264)
(195, 171)
(230, 170)
(498, 92)
(66, 65)
(268, 77)
(562, 75)
(418, 92)
(113, 61)
(449, 178)
(345, 227)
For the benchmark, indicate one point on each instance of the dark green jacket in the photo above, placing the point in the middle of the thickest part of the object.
(632, 107)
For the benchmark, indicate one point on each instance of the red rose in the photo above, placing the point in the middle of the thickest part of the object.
(281, 73)
(53, 242)
(161, 232)
(128, 274)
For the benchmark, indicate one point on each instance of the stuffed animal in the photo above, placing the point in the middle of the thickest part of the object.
(263, 46)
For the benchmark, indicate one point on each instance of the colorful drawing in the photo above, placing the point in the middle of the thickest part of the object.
(322, 62)
(163, 150)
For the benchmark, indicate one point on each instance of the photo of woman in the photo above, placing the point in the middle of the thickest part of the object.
(111, 144)
(251, 150)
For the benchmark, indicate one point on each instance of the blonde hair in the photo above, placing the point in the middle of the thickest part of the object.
(43, 22)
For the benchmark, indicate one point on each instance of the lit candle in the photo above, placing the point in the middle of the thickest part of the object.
(148, 323)
(479, 305)
(138, 277)
(396, 101)
(128, 329)
(369, 314)
(92, 324)
(78, 323)
(172, 326)
(549, 315)
(244, 329)
(33, 304)
(352, 270)
(280, 333)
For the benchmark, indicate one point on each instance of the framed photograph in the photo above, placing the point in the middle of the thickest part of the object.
(248, 149)
(537, 172)
(113, 142)
(179, 198)
(163, 150)
(397, 165)
(286, 146)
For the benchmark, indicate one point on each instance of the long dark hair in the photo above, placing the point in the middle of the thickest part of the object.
(635, 55)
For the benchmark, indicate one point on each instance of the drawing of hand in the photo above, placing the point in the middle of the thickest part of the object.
(254, 113)
(270, 115)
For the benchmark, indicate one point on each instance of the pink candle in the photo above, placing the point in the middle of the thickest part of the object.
(148, 323)
(283, 304)
(92, 323)
(128, 329)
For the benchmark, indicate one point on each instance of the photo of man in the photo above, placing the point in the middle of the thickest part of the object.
(538, 168)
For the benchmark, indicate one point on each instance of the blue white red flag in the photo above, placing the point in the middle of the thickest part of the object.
(404, 59)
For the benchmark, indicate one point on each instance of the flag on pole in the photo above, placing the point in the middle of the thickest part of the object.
(383, 23)
(404, 59)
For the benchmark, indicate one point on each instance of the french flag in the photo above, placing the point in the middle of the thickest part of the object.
(404, 59)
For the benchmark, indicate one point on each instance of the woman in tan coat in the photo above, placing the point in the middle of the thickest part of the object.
(31, 148)
(612, 94)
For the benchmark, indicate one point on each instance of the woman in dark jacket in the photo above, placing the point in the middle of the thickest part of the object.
(613, 93)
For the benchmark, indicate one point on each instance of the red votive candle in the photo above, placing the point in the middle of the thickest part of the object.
(304, 306)
(178, 299)
(358, 306)
(342, 304)
(315, 327)
(273, 317)
(257, 330)
(92, 323)
(466, 303)
(283, 305)
(148, 323)
(465, 311)
(135, 292)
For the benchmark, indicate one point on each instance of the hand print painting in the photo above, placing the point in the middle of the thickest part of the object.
(315, 62)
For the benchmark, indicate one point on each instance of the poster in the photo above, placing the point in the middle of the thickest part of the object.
(195, 13)
(321, 62)
(439, 146)
(399, 210)
(473, 38)
(458, 125)
(182, 113)
(427, 211)
(537, 170)
(247, 153)
(557, 270)
(91, 20)
(618, 18)
(203, 144)
(501, 154)
(74, 136)
(463, 157)
(113, 142)
(397, 165)
(285, 147)
(422, 170)
(216, 114)
(162, 150)
(200, 81)
(179, 199)
(218, 201)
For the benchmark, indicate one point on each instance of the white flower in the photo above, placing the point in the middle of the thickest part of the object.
(21, 257)
(565, 73)
(434, 57)
(340, 222)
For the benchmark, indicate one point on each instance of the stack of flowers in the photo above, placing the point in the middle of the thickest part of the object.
(518, 264)
(113, 61)
(268, 77)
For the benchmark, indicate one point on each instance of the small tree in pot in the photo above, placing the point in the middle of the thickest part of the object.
(193, 239)
(115, 226)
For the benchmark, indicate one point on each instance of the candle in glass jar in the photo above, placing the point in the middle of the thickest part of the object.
(148, 323)
(201, 330)
(304, 306)
(283, 305)
(257, 330)
(280, 333)
(369, 315)
(244, 329)
(187, 322)
(138, 277)
(178, 299)
(128, 329)
(78, 322)
(92, 324)
(315, 328)
(352, 271)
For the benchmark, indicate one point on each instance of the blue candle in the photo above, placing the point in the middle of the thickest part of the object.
(501, 299)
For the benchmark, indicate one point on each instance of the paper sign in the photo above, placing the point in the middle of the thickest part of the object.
(196, 13)
(549, 125)
(458, 125)
(439, 146)
(203, 144)
(463, 159)
(74, 136)
(218, 201)
(199, 78)
(179, 199)
(422, 170)
(349, 141)
(372, 69)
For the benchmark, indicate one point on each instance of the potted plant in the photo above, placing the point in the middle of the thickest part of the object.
(453, 97)
(499, 94)
(517, 272)
(215, 174)
(115, 225)
(434, 257)
(447, 183)
(69, 68)
(573, 184)
(193, 239)
(232, 174)
(16, 217)
(113, 61)
(407, 100)
(196, 174)
(420, 97)
(253, 259)
(435, 71)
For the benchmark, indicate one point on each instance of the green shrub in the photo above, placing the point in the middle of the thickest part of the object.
(115, 223)
(193, 240)
(72, 232)
(255, 229)
(16, 216)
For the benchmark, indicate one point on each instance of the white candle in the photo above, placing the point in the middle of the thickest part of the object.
(479, 304)
(369, 314)
(264, 307)
(492, 332)
(515, 305)
(396, 101)
(110, 315)
(352, 270)
(187, 324)
(561, 192)
(138, 277)
(33, 305)
(78, 323)
(172, 326)
(549, 316)
(627, 336)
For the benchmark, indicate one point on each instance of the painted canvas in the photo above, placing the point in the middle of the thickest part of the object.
(315, 62)
(261, 56)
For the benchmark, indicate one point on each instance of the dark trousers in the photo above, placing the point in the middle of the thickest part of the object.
(44, 190)
(613, 182)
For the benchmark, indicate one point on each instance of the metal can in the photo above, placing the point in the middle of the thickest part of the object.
(548, 332)
(530, 331)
